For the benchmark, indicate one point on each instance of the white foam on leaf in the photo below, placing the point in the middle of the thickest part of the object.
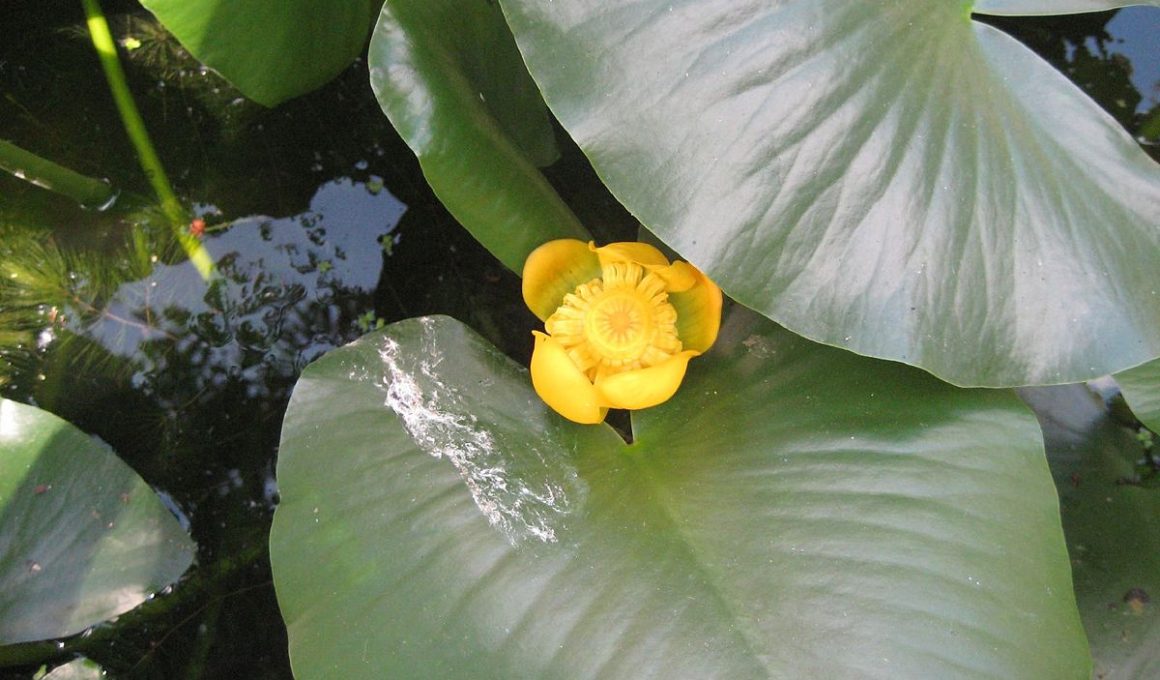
(522, 490)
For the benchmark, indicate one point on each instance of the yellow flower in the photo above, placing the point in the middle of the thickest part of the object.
(621, 324)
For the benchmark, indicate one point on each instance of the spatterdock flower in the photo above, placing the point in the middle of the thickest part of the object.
(621, 323)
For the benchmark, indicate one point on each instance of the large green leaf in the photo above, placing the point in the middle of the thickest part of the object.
(1112, 528)
(890, 177)
(795, 511)
(1141, 388)
(271, 50)
(450, 79)
(82, 537)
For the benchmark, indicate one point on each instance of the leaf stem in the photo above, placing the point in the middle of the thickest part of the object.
(139, 136)
(88, 191)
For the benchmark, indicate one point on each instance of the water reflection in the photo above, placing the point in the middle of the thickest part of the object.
(1111, 55)
(283, 296)
(1134, 32)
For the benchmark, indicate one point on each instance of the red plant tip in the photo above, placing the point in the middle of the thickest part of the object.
(197, 227)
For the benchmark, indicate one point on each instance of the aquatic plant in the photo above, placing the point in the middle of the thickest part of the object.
(901, 206)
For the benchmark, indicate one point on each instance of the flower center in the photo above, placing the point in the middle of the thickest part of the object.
(618, 322)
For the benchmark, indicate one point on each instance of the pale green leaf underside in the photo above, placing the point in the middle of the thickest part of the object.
(271, 50)
(1141, 389)
(449, 77)
(438, 521)
(889, 177)
(82, 537)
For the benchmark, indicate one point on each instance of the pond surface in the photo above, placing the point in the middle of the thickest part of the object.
(323, 227)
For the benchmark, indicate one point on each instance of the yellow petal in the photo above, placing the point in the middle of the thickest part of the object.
(678, 276)
(555, 269)
(698, 313)
(644, 387)
(631, 251)
(562, 385)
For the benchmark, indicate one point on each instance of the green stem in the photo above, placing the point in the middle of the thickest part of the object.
(139, 136)
(130, 116)
(203, 645)
(88, 191)
(1150, 129)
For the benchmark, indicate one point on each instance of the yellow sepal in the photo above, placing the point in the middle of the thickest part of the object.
(562, 385)
(644, 387)
(698, 312)
(555, 269)
(630, 251)
(678, 276)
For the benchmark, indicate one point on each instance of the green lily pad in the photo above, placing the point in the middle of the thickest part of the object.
(1141, 389)
(450, 79)
(794, 511)
(1112, 528)
(271, 50)
(889, 177)
(82, 537)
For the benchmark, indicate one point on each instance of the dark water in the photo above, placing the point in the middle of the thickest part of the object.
(324, 227)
